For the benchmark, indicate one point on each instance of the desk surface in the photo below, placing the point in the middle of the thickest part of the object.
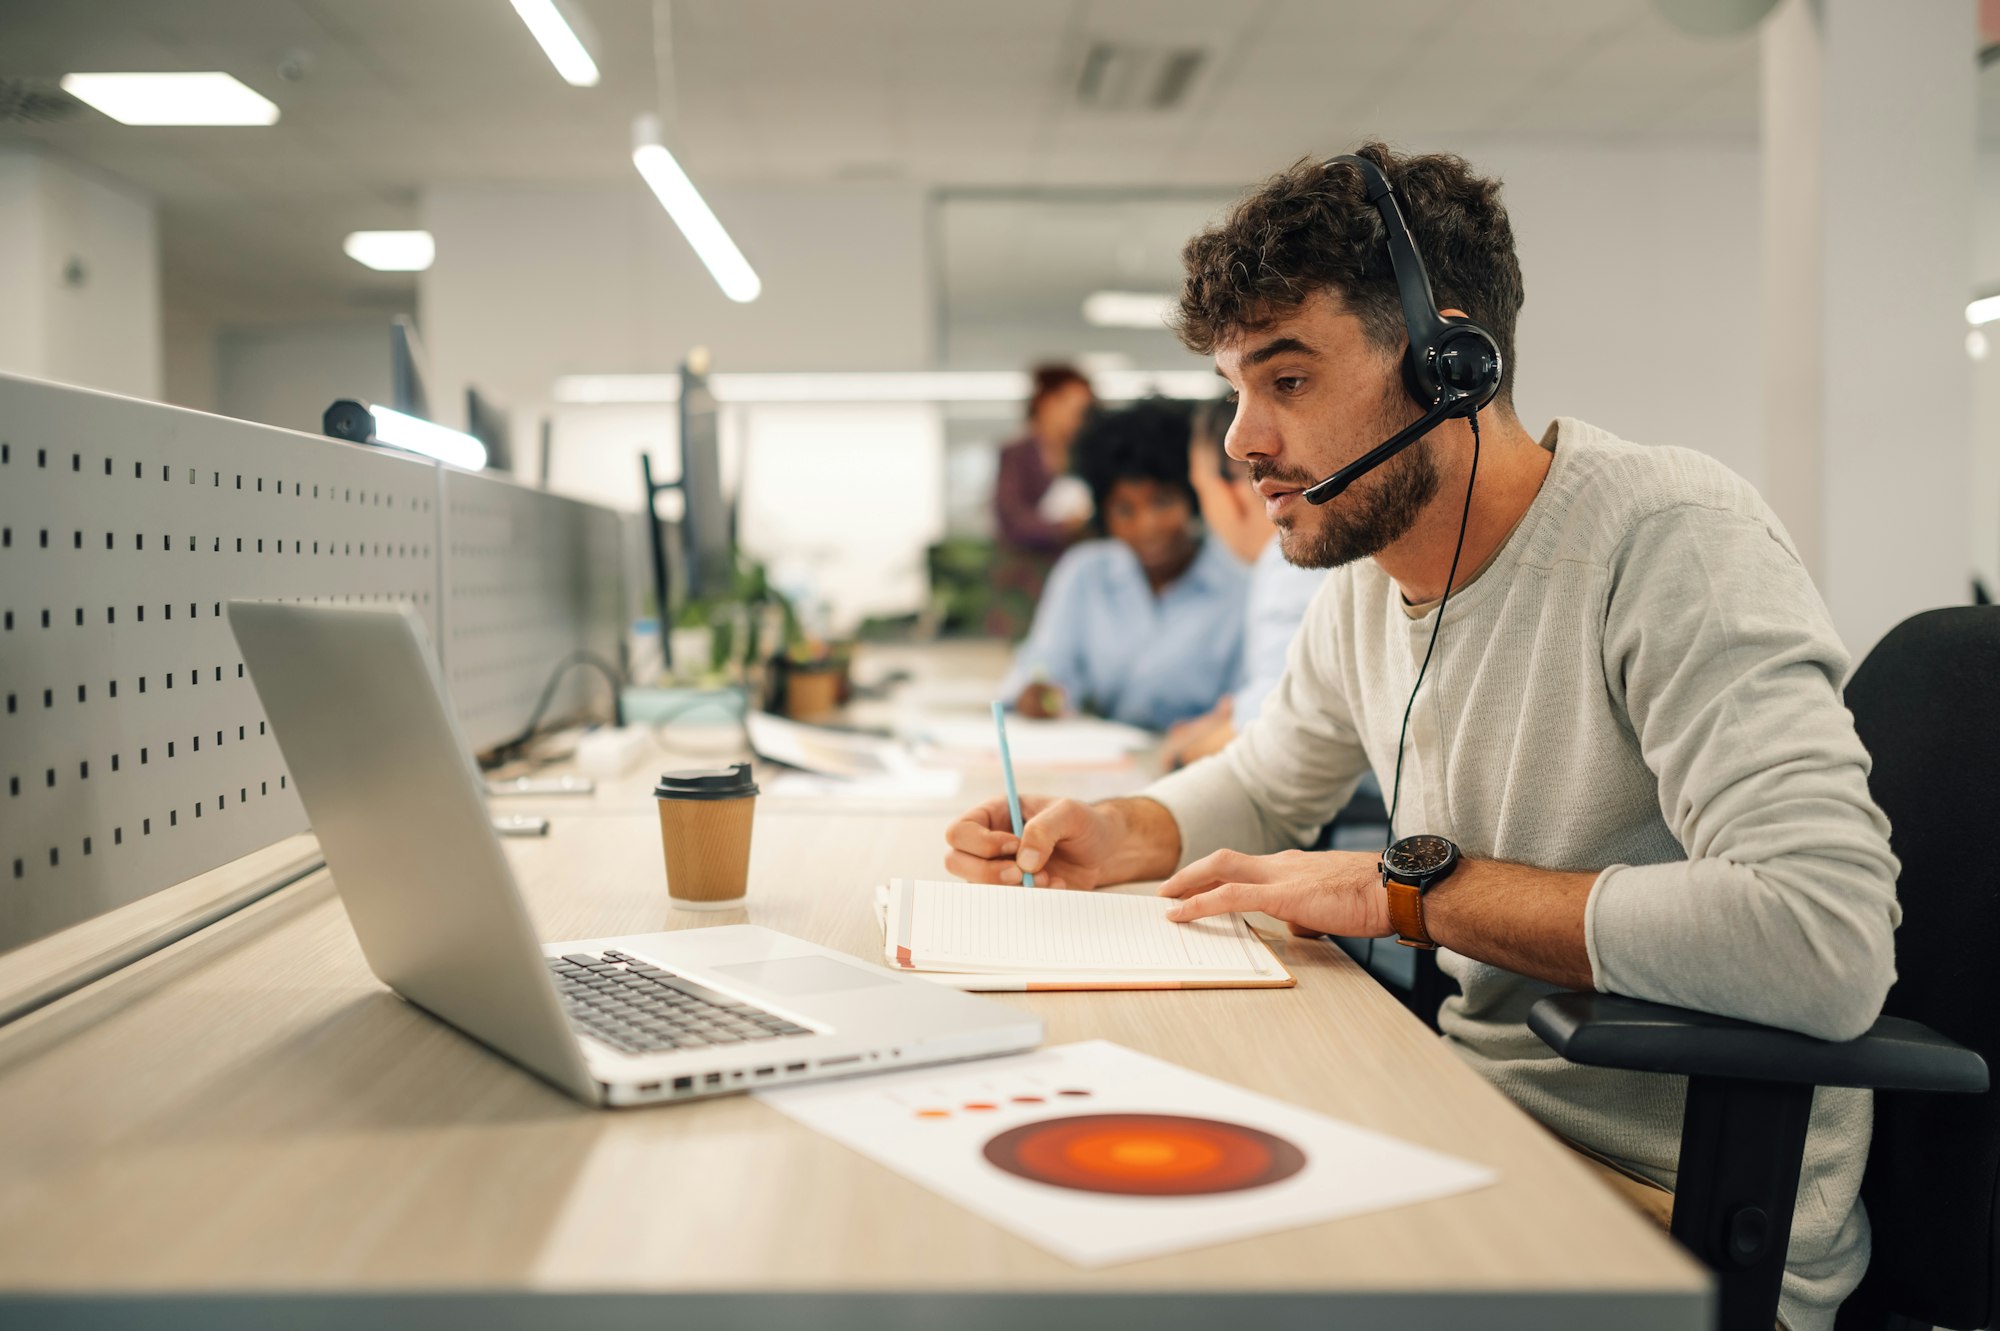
(250, 1110)
(953, 679)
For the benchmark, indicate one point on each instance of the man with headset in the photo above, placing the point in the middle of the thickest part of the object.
(1600, 689)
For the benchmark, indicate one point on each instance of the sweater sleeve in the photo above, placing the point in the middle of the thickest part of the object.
(1723, 657)
(1054, 645)
(1289, 772)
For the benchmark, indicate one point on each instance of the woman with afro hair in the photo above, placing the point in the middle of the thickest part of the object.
(1144, 626)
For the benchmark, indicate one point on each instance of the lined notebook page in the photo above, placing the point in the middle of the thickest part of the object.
(986, 927)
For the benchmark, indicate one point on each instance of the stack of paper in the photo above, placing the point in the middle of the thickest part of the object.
(987, 937)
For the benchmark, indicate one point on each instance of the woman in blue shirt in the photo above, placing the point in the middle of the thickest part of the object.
(1145, 627)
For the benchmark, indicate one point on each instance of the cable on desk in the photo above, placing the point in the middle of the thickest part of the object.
(611, 673)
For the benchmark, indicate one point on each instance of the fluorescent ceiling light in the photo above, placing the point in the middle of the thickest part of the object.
(683, 202)
(430, 439)
(1128, 309)
(391, 251)
(1131, 385)
(211, 98)
(559, 41)
(905, 386)
(597, 389)
(1983, 311)
(914, 386)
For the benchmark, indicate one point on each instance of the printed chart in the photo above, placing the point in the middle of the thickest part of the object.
(1101, 1154)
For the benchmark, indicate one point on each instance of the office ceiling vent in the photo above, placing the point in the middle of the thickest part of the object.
(1121, 77)
(23, 102)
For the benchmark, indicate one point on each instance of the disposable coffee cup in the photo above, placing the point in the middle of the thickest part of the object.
(705, 831)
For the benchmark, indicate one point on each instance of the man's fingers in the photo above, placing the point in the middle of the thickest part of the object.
(973, 839)
(1041, 833)
(1221, 867)
(978, 869)
(992, 815)
(1196, 877)
(1223, 900)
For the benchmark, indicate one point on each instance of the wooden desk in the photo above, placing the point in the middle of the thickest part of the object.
(249, 1113)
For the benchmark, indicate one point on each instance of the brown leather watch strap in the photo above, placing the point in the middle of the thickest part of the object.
(1406, 914)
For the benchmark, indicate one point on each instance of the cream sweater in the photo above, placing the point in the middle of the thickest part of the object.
(1645, 683)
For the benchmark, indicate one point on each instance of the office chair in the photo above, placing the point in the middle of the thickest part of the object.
(1926, 703)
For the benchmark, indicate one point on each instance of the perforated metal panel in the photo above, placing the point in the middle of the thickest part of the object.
(132, 749)
(529, 578)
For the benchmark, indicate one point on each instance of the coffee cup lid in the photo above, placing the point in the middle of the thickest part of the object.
(707, 783)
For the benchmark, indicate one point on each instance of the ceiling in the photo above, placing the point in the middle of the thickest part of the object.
(381, 97)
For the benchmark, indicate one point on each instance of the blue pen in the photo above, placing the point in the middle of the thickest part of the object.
(1007, 771)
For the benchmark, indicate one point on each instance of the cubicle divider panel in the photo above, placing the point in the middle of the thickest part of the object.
(133, 751)
(530, 579)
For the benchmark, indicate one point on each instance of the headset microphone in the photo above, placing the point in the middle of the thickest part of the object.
(1452, 367)
(1381, 453)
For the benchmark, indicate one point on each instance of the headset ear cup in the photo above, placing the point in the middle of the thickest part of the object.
(1418, 381)
(1466, 362)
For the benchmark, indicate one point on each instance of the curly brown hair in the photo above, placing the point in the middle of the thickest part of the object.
(1310, 228)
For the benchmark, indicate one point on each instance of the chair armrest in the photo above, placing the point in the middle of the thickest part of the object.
(1612, 1031)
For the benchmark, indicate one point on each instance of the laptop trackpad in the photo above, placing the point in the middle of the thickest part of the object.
(795, 976)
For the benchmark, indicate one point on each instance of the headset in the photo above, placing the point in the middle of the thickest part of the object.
(1453, 366)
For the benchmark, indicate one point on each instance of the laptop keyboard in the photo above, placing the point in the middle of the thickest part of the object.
(637, 1008)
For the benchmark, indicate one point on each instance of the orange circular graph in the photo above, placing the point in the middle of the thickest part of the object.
(1145, 1155)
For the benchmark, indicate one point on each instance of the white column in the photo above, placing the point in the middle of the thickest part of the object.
(1868, 140)
(79, 276)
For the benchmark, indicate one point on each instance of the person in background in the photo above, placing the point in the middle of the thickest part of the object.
(1145, 627)
(1032, 526)
(1279, 590)
(1058, 404)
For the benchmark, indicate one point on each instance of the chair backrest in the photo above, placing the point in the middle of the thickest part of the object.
(1927, 705)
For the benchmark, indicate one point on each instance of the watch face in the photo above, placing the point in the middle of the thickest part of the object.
(1416, 856)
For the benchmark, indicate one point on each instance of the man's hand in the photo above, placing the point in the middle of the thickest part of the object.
(1040, 701)
(1199, 737)
(1064, 843)
(1316, 892)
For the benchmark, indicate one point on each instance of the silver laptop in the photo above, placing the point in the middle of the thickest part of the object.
(393, 796)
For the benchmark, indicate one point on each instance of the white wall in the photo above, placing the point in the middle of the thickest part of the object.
(1984, 494)
(1640, 266)
(22, 291)
(60, 221)
(1870, 419)
(187, 359)
(594, 452)
(288, 375)
(530, 284)
(842, 500)
(838, 501)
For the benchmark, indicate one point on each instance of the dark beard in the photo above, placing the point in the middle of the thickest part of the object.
(1360, 526)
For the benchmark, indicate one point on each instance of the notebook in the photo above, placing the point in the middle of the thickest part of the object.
(990, 938)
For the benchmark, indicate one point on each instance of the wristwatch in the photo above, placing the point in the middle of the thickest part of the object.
(1410, 868)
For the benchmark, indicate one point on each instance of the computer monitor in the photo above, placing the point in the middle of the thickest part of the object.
(407, 369)
(708, 522)
(706, 544)
(487, 422)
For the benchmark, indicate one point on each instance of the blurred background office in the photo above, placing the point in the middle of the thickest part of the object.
(1755, 229)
